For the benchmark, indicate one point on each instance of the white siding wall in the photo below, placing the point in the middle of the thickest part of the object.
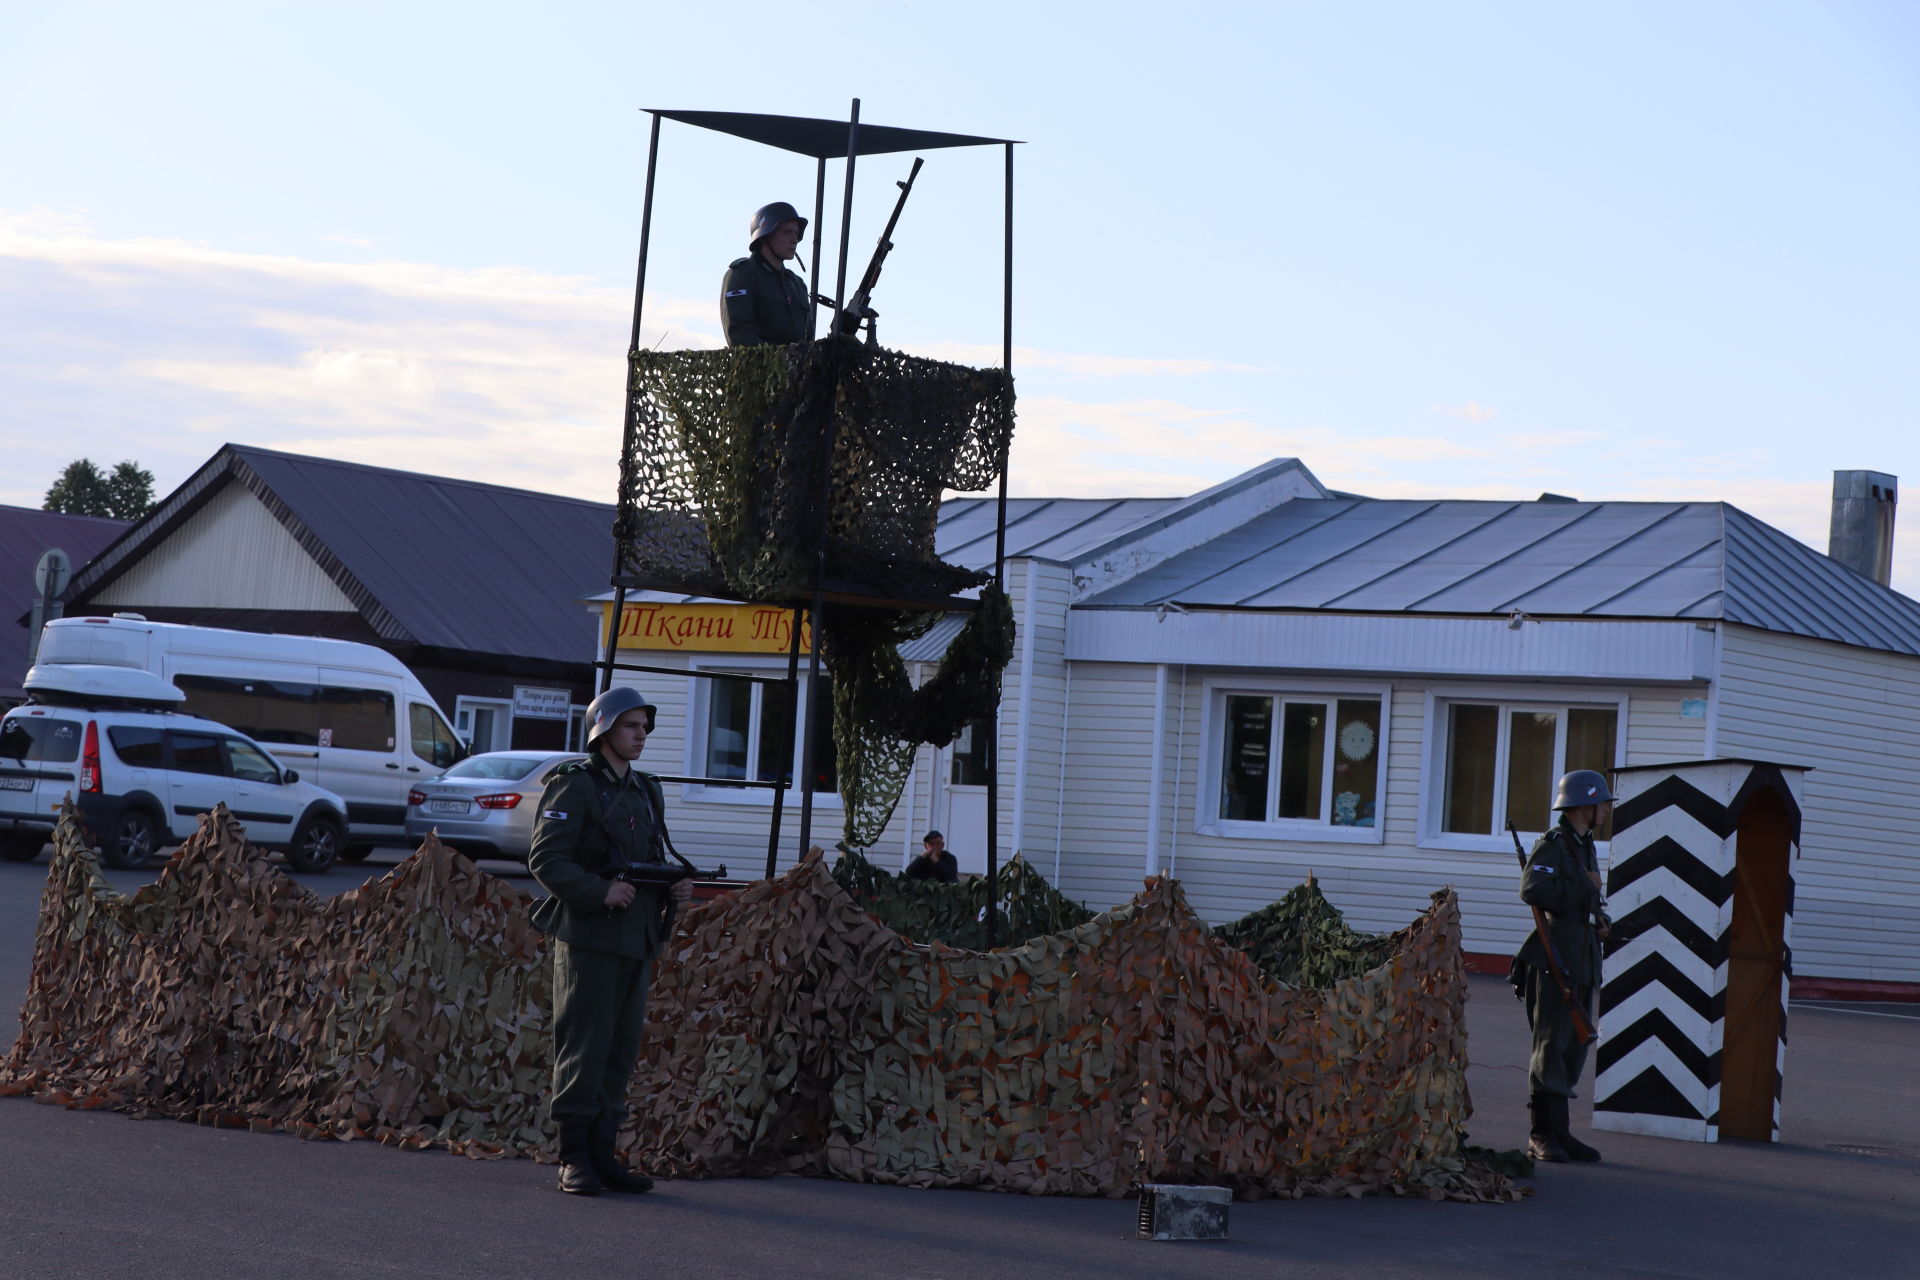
(733, 830)
(232, 553)
(1379, 886)
(1034, 700)
(1854, 715)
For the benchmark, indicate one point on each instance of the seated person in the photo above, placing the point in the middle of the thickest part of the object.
(933, 862)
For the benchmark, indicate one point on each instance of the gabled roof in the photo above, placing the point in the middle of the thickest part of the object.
(427, 560)
(1060, 529)
(26, 534)
(1075, 530)
(1640, 560)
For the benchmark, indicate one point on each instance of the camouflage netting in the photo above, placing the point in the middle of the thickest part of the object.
(723, 474)
(791, 1032)
(725, 466)
(956, 914)
(1301, 940)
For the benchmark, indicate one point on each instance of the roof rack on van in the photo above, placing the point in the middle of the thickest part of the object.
(79, 684)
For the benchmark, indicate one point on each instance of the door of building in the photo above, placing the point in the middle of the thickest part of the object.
(484, 724)
(970, 762)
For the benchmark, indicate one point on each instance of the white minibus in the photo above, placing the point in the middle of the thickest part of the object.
(350, 717)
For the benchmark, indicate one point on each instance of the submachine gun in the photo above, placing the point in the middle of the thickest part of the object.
(664, 875)
(1582, 1025)
(859, 309)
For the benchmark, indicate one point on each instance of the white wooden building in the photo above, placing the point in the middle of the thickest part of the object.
(1267, 679)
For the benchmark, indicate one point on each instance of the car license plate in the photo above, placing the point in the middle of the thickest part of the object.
(16, 784)
(449, 806)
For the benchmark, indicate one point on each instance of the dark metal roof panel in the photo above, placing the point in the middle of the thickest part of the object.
(822, 139)
(457, 564)
(25, 535)
(1776, 582)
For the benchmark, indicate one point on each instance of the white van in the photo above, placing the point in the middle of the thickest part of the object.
(351, 718)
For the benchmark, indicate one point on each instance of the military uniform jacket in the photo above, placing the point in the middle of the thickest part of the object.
(1557, 880)
(761, 303)
(591, 823)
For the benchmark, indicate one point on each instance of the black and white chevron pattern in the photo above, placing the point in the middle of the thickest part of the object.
(1670, 895)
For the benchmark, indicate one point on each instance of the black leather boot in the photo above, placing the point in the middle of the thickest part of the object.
(1575, 1149)
(606, 1161)
(1543, 1138)
(577, 1177)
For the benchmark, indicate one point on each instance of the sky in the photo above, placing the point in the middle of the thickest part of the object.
(1660, 251)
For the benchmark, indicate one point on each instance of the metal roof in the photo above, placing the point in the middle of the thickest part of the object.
(1061, 529)
(24, 535)
(1705, 560)
(821, 139)
(431, 561)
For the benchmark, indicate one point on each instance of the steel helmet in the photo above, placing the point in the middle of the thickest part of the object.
(767, 218)
(611, 705)
(1582, 787)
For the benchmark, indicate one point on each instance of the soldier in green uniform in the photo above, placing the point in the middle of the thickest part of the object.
(761, 302)
(1562, 878)
(597, 815)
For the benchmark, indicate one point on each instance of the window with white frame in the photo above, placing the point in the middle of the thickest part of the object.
(1297, 759)
(1502, 760)
(744, 728)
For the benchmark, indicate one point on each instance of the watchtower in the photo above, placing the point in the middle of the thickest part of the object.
(809, 477)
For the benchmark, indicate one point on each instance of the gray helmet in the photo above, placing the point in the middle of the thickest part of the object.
(767, 218)
(611, 705)
(1582, 787)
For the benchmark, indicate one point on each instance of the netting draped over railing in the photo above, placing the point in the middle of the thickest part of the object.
(726, 465)
(790, 1031)
(746, 470)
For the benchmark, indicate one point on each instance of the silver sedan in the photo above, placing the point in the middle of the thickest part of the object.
(485, 805)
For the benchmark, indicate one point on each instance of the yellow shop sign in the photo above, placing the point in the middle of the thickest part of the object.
(709, 628)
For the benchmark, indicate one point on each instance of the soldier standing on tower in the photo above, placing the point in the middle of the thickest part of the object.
(761, 302)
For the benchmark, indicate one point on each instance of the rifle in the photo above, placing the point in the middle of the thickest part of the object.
(859, 307)
(664, 875)
(1582, 1025)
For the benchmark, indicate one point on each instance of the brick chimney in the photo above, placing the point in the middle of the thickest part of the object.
(1861, 537)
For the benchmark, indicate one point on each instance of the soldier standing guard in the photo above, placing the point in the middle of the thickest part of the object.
(761, 302)
(596, 816)
(1562, 878)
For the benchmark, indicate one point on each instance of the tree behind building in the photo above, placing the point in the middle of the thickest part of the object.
(84, 490)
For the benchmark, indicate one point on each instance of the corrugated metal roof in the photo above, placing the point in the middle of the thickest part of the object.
(26, 534)
(1040, 528)
(932, 646)
(458, 565)
(427, 560)
(1548, 559)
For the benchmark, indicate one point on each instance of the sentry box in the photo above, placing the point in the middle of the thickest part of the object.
(1183, 1213)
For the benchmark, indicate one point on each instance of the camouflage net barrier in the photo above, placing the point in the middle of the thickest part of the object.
(412, 1010)
(791, 1032)
(728, 487)
(956, 914)
(1301, 940)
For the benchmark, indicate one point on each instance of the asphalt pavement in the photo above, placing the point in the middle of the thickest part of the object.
(92, 1194)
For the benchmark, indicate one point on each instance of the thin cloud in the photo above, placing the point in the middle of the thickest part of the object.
(1078, 363)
